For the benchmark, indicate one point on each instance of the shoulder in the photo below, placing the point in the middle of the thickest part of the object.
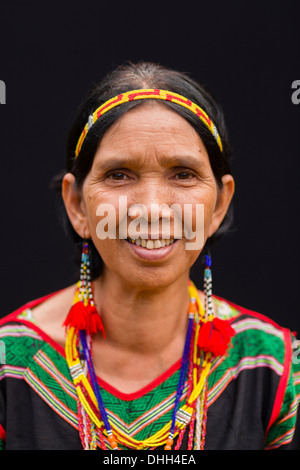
(19, 340)
(50, 313)
(259, 342)
(249, 323)
(18, 345)
(264, 358)
(22, 333)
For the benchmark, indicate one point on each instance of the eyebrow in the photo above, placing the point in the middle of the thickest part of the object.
(167, 161)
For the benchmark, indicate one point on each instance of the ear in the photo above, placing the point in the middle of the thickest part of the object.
(75, 207)
(224, 198)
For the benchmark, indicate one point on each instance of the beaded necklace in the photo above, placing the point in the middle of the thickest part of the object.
(95, 428)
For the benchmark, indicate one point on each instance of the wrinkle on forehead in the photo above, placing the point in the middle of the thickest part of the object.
(151, 131)
(158, 113)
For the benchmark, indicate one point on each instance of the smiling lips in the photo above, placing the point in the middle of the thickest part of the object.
(151, 250)
(151, 244)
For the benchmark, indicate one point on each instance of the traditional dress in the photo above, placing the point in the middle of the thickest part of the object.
(252, 391)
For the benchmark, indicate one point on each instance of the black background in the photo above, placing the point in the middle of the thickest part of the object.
(246, 53)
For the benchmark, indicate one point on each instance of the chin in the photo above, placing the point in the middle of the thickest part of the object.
(138, 273)
(154, 277)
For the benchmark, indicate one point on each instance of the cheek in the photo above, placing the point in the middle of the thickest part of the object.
(105, 248)
(101, 211)
(199, 211)
(209, 209)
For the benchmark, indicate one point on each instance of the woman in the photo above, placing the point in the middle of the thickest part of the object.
(133, 356)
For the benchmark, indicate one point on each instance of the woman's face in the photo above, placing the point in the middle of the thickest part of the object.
(154, 158)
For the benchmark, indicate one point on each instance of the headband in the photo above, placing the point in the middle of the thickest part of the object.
(147, 94)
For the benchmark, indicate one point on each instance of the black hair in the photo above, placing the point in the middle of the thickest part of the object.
(128, 77)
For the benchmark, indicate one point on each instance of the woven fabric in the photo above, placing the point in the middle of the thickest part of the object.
(253, 391)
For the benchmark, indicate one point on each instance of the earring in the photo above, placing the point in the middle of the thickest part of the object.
(83, 314)
(215, 334)
(208, 304)
(85, 287)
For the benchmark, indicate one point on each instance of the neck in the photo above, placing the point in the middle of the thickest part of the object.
(139, 319)
(145, 331)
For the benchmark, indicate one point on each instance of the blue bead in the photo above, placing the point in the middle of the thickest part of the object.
(208, 260)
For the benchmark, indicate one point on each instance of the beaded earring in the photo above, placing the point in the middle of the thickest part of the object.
(208, 304)
(215, 334)
(83, 314)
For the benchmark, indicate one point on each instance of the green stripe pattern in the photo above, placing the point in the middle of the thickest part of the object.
(257, 344)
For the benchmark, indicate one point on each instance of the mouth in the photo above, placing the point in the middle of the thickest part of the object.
(152, 250)
(151, 244)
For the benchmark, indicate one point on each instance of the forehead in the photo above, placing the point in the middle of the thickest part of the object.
(151, 125)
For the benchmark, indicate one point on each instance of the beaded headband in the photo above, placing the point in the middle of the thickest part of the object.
(148, 94)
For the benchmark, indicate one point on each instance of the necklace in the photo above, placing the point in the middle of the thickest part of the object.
(95, 428)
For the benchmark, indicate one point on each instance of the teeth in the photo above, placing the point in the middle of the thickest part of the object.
(150, 244)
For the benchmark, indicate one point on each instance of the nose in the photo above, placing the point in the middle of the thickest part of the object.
(151, 221)
(151, 202)
(151, 212)
(156, 218)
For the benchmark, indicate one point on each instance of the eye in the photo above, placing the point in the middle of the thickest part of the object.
(184, 175)
(117, 175)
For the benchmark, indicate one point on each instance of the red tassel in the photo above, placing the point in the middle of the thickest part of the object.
(84, 317)
(215, 336)
(94, 321)
(77, 317)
